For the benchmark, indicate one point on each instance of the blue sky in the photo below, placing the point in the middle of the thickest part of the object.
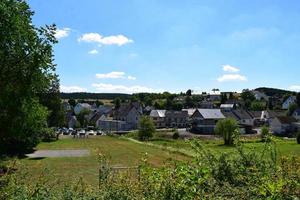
(173, 45)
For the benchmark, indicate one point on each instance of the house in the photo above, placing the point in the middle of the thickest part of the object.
(206, 104)
(159, 118)
(105, 110)
(245, 120)
(227, 107)
(130, 113)
(289, 101)
(81, 106)
(204, 120)
(260, 95)
(178, 119)
(282, 125)
(296, 114)
(108, 125)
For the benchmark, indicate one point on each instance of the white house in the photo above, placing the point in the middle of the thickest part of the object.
(130, 113)
(159, 118)
(282, 125)
(81, 106)
(289, 101)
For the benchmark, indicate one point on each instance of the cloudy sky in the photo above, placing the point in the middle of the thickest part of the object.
(173, 45)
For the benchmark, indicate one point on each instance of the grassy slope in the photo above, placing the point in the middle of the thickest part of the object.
(120, 152)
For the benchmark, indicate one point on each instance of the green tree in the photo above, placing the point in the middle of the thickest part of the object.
(82, 117)
(189, 92)
(51, 100)
(247, 95)
(117, 102)
(291, 109)
(99, 103)
(26, 71)
(298, 99)
(258, 105)
(265, 134)
(226, 128)
(146, 128)
(72, 102)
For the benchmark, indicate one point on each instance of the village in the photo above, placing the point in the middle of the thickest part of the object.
(282, 117)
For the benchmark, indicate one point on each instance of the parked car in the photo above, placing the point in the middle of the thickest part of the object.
(91, 132)
(99, 132)
(81, 132)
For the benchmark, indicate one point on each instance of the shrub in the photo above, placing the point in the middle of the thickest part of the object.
(265, 134)
(175, 135)
(226, 128)
(146, 128)
(48, 135)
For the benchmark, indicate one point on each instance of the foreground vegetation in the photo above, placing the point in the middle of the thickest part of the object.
(235, 174)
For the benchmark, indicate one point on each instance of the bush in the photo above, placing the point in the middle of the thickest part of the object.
(265, 134)
(298, 138)
(146, 128)
(48, 135)
(175, 135)
(227, 128)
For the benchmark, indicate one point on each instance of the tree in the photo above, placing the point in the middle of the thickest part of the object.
(117, 102)
(146, 128)
(226, 128)
(298, 99)
(99, 103)
(223, 98)
(51, 100)
(82, 117)
(247, 95)
(26, 71)
(72, 102)
(189, 92)
(258, 105)
(265, 134)
(291, 109)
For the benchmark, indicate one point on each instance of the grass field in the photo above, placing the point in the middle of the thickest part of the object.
(125, 152)
(120, 152)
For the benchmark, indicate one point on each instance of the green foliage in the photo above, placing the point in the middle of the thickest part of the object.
(99, 103)
(258, 105)
(243, 174)
(72, 102)
(175, 135)
(117, 103)
(146, 128)
(265, 134)
(226, 128)
(291, 109)
(189, 92)
(247, 95)
(82, 117)
(49, 135)
(26, 71)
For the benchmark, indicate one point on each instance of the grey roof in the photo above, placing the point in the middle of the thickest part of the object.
(190, 111)
(158, 113)
(227, 106)
(211, 113)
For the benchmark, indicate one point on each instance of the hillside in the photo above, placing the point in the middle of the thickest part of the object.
(273, 91)
(87, 95)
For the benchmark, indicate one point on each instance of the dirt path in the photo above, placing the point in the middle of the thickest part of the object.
(59, 153)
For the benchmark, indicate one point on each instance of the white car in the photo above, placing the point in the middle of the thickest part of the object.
(81, 133)
(91, 132)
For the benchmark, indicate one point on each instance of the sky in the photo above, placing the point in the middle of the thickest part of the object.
(131, 46)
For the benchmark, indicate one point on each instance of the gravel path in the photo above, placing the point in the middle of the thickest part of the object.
(59, 153)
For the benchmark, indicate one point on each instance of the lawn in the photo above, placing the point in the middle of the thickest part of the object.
(123, 151)
(120, 152)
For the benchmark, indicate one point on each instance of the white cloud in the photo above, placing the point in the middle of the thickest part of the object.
(102, 87)
(131, 78)
(232, 77)
(61, 33)
(109, 40)
(72, 89)
(229, 68)
(115, 75)
(94, 51)
(295, 88)
(112, 75)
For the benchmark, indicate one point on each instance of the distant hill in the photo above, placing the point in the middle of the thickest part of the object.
(273, 91)
(87, 95)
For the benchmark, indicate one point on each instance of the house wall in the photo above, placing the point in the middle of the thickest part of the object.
(276, 126)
